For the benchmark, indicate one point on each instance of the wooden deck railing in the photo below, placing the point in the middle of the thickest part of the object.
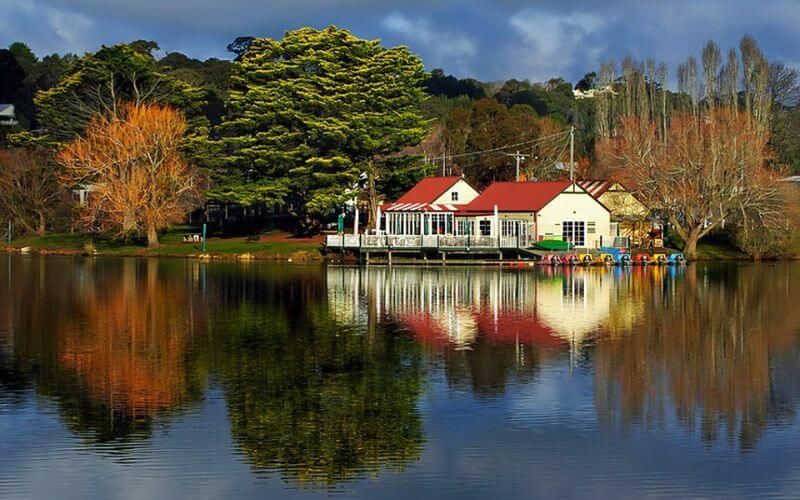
(424, 242)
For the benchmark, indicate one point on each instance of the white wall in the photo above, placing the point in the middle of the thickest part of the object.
(465, 194)
(577, 206)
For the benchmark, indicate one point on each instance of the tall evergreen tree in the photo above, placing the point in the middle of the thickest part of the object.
(309, 115)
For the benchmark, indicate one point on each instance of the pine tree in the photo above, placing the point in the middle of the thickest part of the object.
(309, 115)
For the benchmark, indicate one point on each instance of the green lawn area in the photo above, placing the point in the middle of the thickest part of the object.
(712, 247)
(719, 250)
(268, 246)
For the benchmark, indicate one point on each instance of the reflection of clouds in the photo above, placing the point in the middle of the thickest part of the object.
(561, 398)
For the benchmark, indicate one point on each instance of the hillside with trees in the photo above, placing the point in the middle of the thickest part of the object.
(304, 125)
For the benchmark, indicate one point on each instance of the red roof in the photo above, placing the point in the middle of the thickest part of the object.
(420, 207)
(517, 196)
(428, 190)
(596, 188)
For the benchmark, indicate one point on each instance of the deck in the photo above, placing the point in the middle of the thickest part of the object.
(422, 243)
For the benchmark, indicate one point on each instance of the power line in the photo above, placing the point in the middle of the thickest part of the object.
(532, 141)
(486, 158)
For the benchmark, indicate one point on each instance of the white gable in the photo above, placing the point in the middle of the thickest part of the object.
(459, 193)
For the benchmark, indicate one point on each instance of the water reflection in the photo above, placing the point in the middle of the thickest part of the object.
(109, 342)
(714, 347)
(310, 393)
(721, 350)
(331, 376)
(120, 345)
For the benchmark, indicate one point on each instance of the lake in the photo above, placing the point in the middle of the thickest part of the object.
(136, 378)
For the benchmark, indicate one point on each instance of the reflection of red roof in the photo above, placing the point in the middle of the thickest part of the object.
(514, 326)
(510, 327)
(425, 328)
(517, 196)
(428, 190)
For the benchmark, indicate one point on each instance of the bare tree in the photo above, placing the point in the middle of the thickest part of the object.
(729, 82)
(688, 83)
(662, 83)
(762, 97)
(784, 85)
(748, 47)
(711, 62)
(712, 169)
(605, 99)
(29, 189)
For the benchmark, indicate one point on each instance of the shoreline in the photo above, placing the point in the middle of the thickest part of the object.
(317, 256)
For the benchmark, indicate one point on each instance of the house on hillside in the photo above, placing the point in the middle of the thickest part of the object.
(8, 117)
(535, 211)
(629, 216)
(427, 208)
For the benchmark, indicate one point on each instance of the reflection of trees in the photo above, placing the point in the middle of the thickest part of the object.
(719, 345)
(318, 399)
(108, 340)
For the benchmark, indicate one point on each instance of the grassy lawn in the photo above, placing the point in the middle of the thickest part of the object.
(719, 250)
(269, 246)
(712, 247)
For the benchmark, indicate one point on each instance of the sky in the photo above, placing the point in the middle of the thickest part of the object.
(488, 40)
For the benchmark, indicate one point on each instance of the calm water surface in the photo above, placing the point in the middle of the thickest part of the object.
(125, 378)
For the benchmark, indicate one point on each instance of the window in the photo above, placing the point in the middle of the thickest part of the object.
(404, 223)
(591, 228)
(454, 196)
(485, 227)
(464, 226)
(440, 224)
(574, 232)
(513, 227)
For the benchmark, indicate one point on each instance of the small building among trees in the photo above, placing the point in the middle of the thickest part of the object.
(535, 211)
(525, 212)
(629, 216)
(427, 208)
(8, 116)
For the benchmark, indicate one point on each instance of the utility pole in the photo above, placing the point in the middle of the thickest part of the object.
(572, 153)
(520, 158)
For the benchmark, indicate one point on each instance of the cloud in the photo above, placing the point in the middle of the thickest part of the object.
(442, 48)
(71, 28)
(486, 39)
(549, 45)
(45, 28)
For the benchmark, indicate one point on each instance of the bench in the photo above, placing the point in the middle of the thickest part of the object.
(192, 238)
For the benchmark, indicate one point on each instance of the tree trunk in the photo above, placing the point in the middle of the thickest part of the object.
(152, 236)
(690, 243)
(129, 222)
(42, 225)
(372, 197)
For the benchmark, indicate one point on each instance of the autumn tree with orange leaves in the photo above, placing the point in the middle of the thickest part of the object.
(131, 162)
(709, 172)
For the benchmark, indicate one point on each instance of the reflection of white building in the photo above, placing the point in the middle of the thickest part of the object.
(577, 305)
(456, 306)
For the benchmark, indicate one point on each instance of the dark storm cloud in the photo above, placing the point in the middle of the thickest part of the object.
(486, 39)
